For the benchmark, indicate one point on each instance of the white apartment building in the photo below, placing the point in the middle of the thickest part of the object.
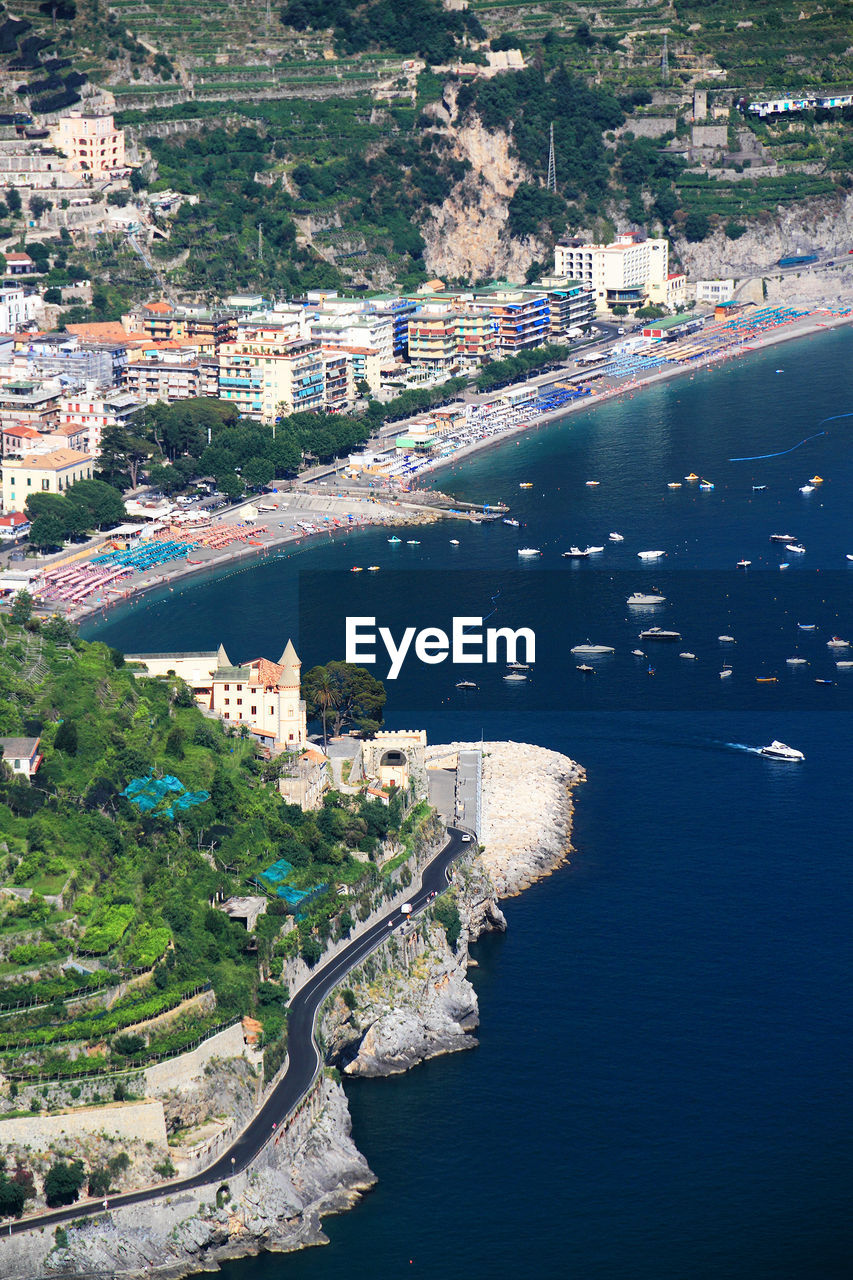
(93, 412)
(17, 309)
(629, 272)
(715, 291)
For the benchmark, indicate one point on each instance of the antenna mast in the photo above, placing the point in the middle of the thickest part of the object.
(551, 184)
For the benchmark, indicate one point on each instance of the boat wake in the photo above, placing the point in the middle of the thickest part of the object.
(742, 746)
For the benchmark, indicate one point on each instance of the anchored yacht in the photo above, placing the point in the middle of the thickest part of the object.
(643, 598)
(778, 751)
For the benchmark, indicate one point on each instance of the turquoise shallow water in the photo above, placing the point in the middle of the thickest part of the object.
(662, 1087)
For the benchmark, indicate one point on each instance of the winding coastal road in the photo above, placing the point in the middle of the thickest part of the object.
(303, 1058)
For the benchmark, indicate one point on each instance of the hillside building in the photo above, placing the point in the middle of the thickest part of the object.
(43, 473)
(630, 272)
(91, 143)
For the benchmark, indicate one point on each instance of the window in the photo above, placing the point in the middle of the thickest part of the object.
(45, 484)
(290, 737)
(272, 711)
(239, 688)
(239, 702)
(227, 687)
(228, 702)
(253, 711)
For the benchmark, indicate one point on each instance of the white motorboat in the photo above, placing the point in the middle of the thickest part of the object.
(796, 548)
(592, 484)
(782, 537)
(575, 553)
(593, 551)
(617, 537)
(778, 751)
(688, 655)
(650, 555)
(784, 565)
(657, 633)
(586, 669)
(515, 676)
(806, 626)
(454, 542)
(806, 488)
(466, 684)
(797, 662)
(356, 569)
(844, 666)
(727, 640)
(674, 484)
(637, 653)
(395, 539)
(590, 648)
(413, 542)
(508, 520)
(758, 488)
(837, 643)
(517, 666)
(643, 598)
(529, 551)
(725, 673)
(373, 568)
(849, 557)
(744, 564)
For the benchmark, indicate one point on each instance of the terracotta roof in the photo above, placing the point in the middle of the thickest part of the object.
(13, 518)
(18, 257)
(315, 756)
(269, 673)
(26, 433)
(161, 308)
(100, 331)
(55, 461)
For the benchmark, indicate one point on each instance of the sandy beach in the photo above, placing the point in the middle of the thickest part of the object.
(292, 518)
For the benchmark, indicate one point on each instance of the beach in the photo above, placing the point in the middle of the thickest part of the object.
(273, 522)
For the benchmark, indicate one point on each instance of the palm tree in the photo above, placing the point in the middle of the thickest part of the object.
(326, 697)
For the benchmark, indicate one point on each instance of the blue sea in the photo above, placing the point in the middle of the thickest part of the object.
(662, 1088)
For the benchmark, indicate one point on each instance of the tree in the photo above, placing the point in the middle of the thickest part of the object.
(63, 1182)
(66, 738)
(13, 200)
(324, 697)
(358, 698)
(46, 533)
(22, 608)
(696, 226)
(121, 457)
(258, 473)
(12, 1198)
(231, 485)
(100, 503)
(100, 1181)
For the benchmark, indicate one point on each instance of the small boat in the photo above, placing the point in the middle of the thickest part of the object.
(816, 480)
(806, 488)
(592, 484)
(590, 648)
(725, 673)
(744, 564)
(373, 568)
(509, 521)
(797, 662)
(674, 484)
(395, 539)
(849, 557)
(844, 666)
(692, 656)
(617, 537)
(575, 553)
(806, 626)
(785, 565)
(586, 669)
(637, 653)
(650, 555)
(529, 551)
(466, 684)
(413, 542)
(641, 598)
(593, 551)
(356, 569)
(824, 681)
(515, 676)
(759, 488)
(797, 548)
(454, 542)
(727, 640)
(526, 484)
(692, 476)
(656, 633)
(782, 537)
(517, 666)
(765, 680)
(779, 370)
(706, 485)
(778, 751)
(837, 643)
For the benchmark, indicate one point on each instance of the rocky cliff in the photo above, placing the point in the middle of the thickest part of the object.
(467, 237)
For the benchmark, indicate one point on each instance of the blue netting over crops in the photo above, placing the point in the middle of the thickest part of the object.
(274, 878)
(148, 793)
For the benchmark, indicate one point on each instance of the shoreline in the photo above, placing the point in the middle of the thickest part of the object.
(390, 511)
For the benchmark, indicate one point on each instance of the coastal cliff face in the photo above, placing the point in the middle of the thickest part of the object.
(408, 1002)
(467, 237)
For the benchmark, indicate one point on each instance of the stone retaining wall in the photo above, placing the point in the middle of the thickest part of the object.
(142, 1120)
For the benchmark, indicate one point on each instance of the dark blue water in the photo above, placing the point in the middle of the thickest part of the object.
(663, 1084)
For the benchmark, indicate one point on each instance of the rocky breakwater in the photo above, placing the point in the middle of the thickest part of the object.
(412, 1000)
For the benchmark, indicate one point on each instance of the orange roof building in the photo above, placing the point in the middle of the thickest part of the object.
(264, 696)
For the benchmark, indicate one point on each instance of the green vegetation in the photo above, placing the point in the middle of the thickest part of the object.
(63, 1182)
(421, 27)
(134, 889)
(87, 505)
(514, 368)
(346, 694)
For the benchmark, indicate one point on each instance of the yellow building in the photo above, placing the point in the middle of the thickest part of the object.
(265, 374)
(92, 143)
(264, 696)
(43, 473)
